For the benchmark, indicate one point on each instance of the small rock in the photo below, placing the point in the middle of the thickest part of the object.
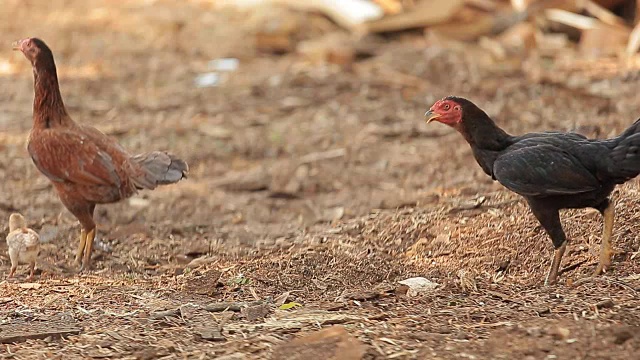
(333, 343)
(252, 313)
(605, 304)
(208, 333)
(418, 285)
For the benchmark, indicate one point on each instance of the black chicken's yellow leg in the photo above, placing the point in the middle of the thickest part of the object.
(605, 246)
(81, 244)
(552, 276)
(88, 247)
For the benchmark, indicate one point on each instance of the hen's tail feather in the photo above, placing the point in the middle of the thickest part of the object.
(625, 155)
(159, 168)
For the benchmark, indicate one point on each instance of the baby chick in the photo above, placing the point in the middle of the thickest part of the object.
(23, 243)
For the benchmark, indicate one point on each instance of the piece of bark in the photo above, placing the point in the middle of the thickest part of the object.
(14, 333)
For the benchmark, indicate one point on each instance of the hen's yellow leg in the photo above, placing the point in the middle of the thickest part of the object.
(88, 247)
(81, 243)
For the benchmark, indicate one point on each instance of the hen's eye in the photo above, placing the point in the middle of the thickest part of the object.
(446, 106)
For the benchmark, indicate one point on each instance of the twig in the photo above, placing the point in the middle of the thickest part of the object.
(323, 155)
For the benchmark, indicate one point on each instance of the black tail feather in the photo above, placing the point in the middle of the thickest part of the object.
(625, 155)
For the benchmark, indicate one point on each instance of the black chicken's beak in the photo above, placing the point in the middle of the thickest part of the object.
(430, 116)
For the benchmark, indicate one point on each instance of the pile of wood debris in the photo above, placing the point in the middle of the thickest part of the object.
(598, 27)
(552, 39)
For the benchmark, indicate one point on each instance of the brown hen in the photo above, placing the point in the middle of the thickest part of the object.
(85, 166)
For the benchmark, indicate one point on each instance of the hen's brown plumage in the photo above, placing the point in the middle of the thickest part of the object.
(85, 166)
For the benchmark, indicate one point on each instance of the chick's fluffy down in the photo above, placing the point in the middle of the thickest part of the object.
(24, 245)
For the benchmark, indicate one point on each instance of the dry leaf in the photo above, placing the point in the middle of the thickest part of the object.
(288, 306)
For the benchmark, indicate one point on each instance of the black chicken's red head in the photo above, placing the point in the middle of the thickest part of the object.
(32, 48)
(447, 111)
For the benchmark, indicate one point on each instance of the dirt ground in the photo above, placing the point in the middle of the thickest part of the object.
(310, 184)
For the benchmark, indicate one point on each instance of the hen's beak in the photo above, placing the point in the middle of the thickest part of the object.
(16, 45)
(430, 116)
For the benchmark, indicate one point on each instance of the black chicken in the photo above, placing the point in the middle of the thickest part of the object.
(551, 170)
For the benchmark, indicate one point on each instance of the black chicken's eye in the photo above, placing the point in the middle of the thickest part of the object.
(446, 106)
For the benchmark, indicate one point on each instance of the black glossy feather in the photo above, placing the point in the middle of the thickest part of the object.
(543, 170)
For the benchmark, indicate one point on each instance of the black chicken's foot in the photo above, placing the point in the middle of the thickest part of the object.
(605, 246)
(552, 276)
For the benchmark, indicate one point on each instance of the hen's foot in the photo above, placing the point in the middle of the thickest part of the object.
(82, 241)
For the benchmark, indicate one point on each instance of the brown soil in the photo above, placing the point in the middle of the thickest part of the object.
(310, 184)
